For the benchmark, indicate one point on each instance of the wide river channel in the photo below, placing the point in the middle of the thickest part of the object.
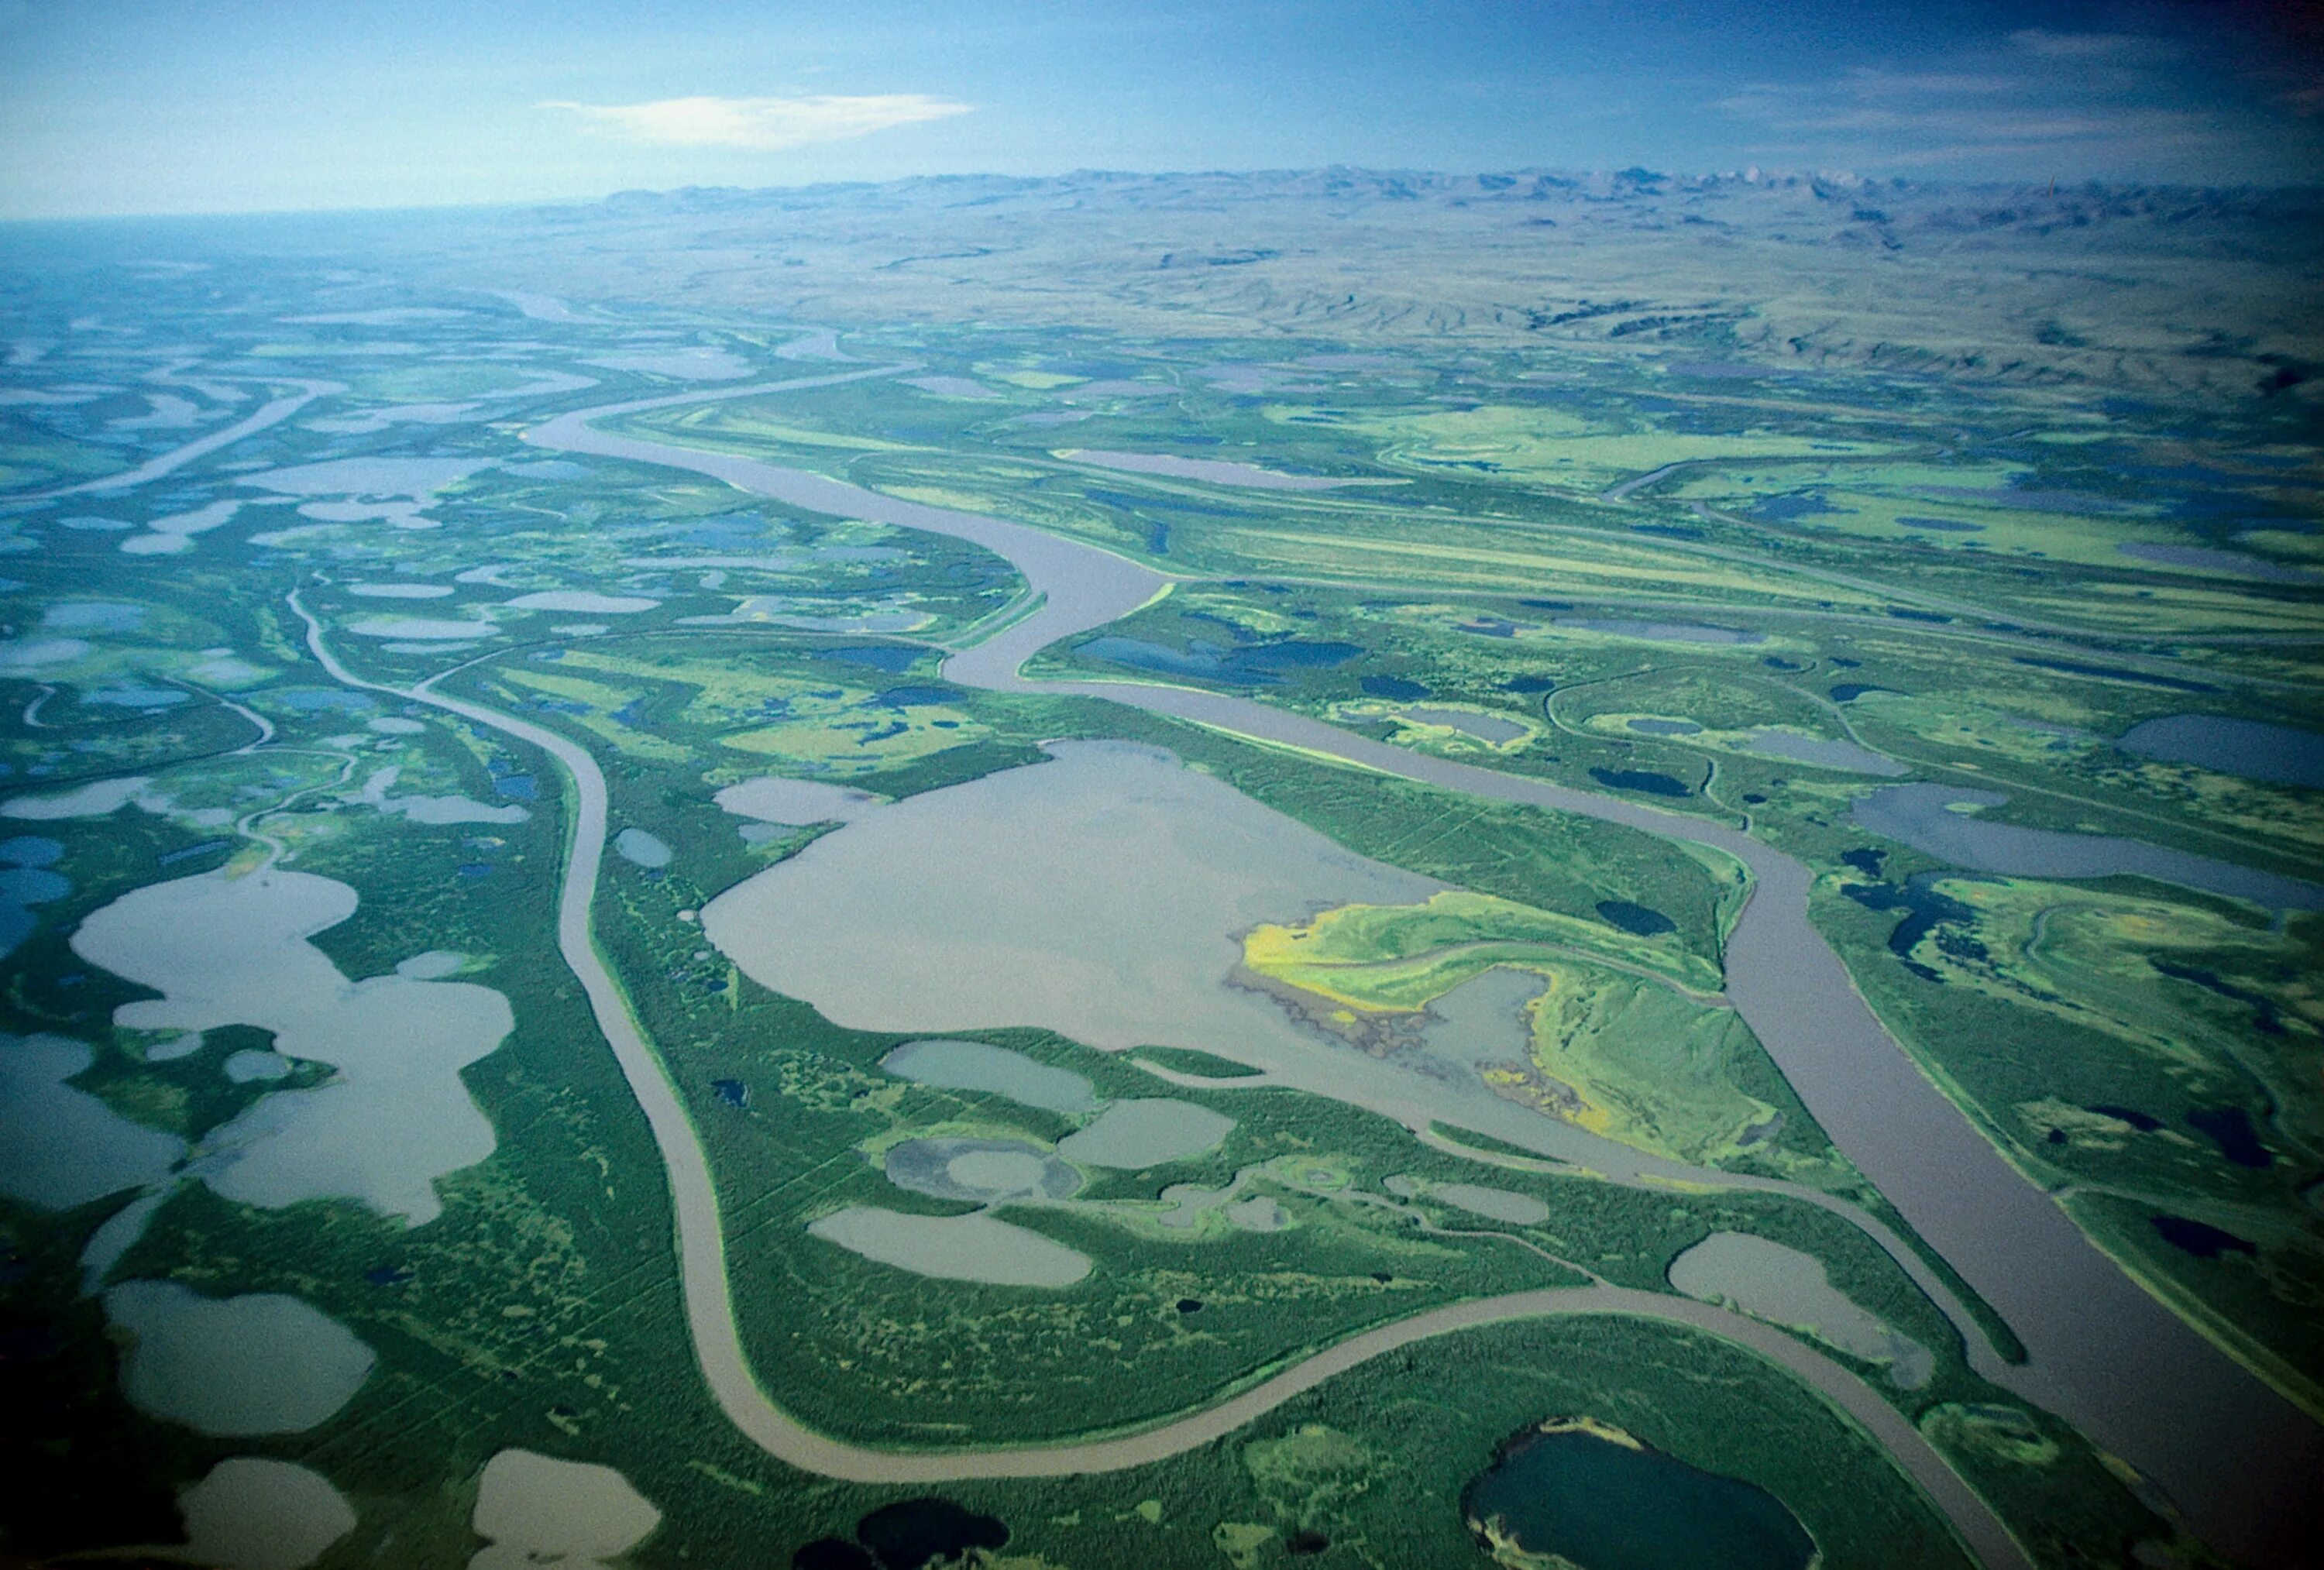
(2243, 1464)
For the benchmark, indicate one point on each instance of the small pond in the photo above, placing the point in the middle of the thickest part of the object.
(1824, 753)
(2204, 559)
(254, 1514)
(1256, 664)
(1786, 1286)
(998, 1070)
(1643, 780)
(399, 591)
(1638, 919)
(93, 616)
(1210, 471)
(583, 602)
(536, 1510)
(911, 1533)
(261, 1363)
(1490, 727)
(983, 1171)
(26, 881)
(640, 848)
(1132, 1134)
(1607, 1504)
(976, 1247)
(1493, 1204)
(1665, 727)
(773, 799)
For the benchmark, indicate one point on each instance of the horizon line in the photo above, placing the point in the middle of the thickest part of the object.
(1750, 174)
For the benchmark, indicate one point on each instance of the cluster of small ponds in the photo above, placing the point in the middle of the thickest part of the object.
(391, 1117)
(1130, 1135)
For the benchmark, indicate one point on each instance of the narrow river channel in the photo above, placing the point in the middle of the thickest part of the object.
(2244, 1465)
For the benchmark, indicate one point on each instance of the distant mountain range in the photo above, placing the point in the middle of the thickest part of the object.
(2157, 290)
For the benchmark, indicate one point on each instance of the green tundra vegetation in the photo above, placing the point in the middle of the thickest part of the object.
(1656, 568)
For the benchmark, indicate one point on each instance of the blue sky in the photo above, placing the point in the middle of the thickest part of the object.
(110, 107)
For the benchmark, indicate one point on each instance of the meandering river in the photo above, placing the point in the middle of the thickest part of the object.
(2239, 1460)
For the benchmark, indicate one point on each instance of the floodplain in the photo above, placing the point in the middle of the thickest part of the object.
(1127, 1133)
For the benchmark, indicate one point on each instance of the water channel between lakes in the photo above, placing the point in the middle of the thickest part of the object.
(2238, 1459)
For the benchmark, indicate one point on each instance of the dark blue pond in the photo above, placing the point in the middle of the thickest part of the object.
(1849, 691)
(2143, 1122)
(917, 1531)
(2200, 1238)
(2250, 749)
(1941, 525)
(2265, 1017)
(1925, 910)
(1638, 920)
(2074, 668)
(1641, 779)
(1393, 687)
(1596, 1503)
(1783, 509)
(1529, 684)
(2230, 1128)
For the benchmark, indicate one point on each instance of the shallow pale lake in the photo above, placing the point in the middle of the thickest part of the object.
(61, 1147)
(998, 1070)
(1131, 1134)
(262, 1364)
(250, 1513)
(1099, 894)
(539, 1511)
(1770, 1281)
(1483, 727)
(1824, 753)
(1102, 894)
(234, 950)
(1918, 815)
(976, 1247)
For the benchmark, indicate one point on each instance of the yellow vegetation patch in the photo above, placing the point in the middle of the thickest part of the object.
(1326, 953)
(1612, 1051)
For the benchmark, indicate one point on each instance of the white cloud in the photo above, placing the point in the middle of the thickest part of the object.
(2124, 46)
(762, 125)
